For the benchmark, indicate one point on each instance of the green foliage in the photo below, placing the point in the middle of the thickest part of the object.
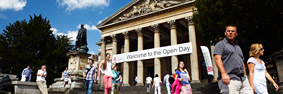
(258, 21)
(32, 43)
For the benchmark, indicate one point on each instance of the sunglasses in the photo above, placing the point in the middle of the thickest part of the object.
(261, 49)
(230, 31)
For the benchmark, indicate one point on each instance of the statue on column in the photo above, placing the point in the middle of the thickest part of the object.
(81, 43)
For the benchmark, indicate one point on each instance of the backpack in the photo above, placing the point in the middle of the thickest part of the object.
(171, 79)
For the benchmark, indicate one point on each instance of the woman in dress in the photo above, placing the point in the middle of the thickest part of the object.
(258, 72)
(184, 77)
(106, 69)
(157, 84)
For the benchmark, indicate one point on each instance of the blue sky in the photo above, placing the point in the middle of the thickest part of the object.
(65, 16)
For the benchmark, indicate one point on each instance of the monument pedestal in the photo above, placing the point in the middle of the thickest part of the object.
(278, 58)
(77, 62)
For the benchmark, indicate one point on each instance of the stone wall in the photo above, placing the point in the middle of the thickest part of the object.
(25, 87)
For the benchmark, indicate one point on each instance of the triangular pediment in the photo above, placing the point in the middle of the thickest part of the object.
(138, 8)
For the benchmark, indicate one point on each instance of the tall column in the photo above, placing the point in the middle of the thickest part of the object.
(193, 56)
(173, 36)
(126, 64)
(157, 63)
(140, 62)
(114, 44)
(215, 69)
(103, 51)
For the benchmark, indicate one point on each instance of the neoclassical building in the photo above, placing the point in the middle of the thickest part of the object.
(146, 24)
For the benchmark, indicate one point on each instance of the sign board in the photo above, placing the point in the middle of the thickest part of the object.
(179, 49)
(207, 59)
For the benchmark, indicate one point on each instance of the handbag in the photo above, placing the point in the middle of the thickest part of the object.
(114, 75)
(23, 78)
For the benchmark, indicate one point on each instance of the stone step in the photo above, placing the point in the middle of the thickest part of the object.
(197, 88)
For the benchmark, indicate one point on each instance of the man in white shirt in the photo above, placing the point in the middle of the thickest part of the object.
(148, 83)
(40, 79)
(167, 83)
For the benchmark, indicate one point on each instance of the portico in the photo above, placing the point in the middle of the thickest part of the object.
(141, 25)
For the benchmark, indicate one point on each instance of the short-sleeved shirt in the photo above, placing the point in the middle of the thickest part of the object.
(66, 74)
(148, 80)
(259, 80)
(179, 73)
(157, 81)
(232, 58)
(90, 71)
(40, 78)
(118, 73)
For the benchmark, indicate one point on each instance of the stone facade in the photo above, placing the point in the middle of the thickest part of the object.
(145, 24)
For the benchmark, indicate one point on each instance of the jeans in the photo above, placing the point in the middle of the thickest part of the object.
(157, 90)
(88, 86)
(168, 87)
(148, 86)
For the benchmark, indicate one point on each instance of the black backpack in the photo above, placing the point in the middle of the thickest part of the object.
(171, 79)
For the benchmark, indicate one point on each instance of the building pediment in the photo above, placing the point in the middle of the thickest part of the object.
(138, 8)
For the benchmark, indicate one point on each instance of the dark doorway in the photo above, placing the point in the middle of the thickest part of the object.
(150, 70)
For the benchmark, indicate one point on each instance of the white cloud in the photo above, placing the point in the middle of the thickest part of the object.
(89, 27)
(101, 20)
(71, 34)
(12, 4)
(55, 31)
(3, 16)
(80, 4)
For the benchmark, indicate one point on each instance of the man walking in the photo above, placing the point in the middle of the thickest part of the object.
(40, 79)
(230, 62)
(89, 74)
(167, 83)
(148, 81)
(26, 74)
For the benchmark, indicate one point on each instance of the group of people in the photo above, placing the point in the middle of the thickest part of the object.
(233, 78)
(232, 71)
(228, 57)
(111, 76)
(178, 83)
(40, 78)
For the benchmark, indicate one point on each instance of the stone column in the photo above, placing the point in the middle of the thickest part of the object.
(114, 44)
(103, 52)
(173, 36)
(157, 63)
(193, 56)
(215, 69)
(126, 64)
(140, 62)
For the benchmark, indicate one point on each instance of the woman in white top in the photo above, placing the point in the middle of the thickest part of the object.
(258, 72)
(105, 67)
(157, 84)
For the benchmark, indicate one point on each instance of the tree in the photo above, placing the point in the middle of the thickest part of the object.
(32, 43)
(258, 21)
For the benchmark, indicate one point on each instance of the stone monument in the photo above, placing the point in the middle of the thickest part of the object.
(81, 42)
(278, 58)
(78, 59)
